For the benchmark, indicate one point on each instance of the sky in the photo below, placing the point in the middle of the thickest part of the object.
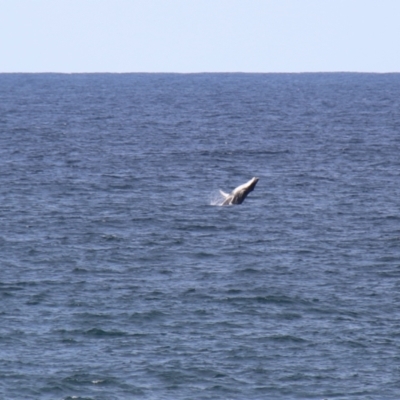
(187, 36)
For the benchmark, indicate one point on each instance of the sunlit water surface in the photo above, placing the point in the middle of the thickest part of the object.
(120, 280)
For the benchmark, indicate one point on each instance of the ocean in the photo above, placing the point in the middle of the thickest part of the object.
(121, 279)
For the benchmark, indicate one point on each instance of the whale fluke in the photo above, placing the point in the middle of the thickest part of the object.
(240, 193)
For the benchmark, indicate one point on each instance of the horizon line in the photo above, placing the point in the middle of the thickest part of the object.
(197, 72)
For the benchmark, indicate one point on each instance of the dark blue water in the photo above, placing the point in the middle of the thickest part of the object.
(120, 280)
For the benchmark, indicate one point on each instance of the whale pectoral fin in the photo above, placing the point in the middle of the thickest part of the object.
(224, 194)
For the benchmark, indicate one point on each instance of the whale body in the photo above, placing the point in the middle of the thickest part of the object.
(240, 193)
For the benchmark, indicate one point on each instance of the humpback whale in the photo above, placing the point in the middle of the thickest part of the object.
(240, 193)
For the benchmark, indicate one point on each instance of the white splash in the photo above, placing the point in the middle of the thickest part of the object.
(216, 198)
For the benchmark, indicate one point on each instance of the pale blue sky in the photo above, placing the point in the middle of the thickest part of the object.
(199, 35)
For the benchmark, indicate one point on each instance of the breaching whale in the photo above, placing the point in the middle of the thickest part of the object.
(240, 193)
